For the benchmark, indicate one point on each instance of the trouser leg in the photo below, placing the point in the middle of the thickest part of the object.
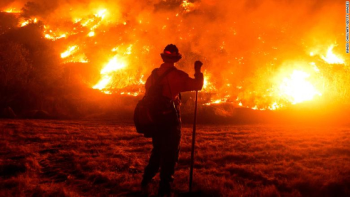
(154, 161)
(169, 154)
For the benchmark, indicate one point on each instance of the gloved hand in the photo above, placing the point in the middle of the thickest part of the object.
(197, 66)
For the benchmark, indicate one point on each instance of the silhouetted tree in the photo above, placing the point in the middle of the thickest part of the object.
(30, 67)
(15, 68)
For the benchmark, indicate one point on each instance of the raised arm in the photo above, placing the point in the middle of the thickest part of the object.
(196, 83)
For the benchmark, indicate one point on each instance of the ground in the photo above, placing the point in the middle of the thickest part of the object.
(101, 158)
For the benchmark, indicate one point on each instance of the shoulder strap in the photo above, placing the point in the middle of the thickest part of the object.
(159, 78)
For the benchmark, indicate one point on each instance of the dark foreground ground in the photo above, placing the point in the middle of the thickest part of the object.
(81, 158)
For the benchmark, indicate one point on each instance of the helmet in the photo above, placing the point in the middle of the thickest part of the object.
(171, 54)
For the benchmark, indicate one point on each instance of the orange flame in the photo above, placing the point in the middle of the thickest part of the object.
(291, 87)
(297, 89)
(12, 10)
(27, 22)
(69, 51)
(208, 86)
(112, 66)
(332, 58)
(329, 57)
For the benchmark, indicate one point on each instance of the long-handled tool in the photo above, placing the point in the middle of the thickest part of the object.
(193, 142)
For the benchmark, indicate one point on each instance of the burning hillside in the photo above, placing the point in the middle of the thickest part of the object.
(257, 54)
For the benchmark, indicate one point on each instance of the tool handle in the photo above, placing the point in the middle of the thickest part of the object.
(193, 142)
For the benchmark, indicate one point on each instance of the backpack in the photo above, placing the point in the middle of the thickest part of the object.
(154, 109)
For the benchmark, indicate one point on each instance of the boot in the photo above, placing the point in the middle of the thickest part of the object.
(145, 190)
(164, 189)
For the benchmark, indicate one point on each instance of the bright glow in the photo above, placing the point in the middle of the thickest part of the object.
(82, 60)
(102, 13)
(207, 85)
(69, 51)
(274, 106)
(216, 101)
(331, 58)
(187, 6)
(53, 38)
(113, 65)
(103, 83)
(91, 34)
(77, 20)
(224, 99)
(12, 10)
(25, 23)
(61, 36)
(128, 50)
(141, 81)
(48, 36)
(297, 89)
(87, 22)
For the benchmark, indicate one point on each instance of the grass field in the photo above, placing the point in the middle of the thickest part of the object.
(91, 158)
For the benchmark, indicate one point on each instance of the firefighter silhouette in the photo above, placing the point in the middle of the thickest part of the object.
(166, 139)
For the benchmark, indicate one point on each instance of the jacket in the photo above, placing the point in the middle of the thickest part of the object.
(176, 81)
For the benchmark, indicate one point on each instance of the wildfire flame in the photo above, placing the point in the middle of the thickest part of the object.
(48, 36)
(187, 6)
(101, 13)
(69, 51)
(297, 89)
(207, 84)
(81, 31)
(12, 10)
(91, 34)
(26, 22)
(112, 66)
(331, 58)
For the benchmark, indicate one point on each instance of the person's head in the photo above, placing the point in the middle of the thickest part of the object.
(171, 54)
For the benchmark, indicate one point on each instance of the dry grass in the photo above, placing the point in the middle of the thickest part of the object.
(81, 158)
